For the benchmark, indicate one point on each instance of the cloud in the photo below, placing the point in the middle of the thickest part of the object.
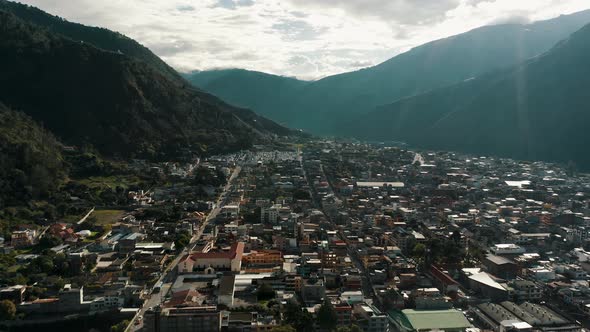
(172, 46)
(298, 29)
(233, 4)
(360, 64)
(512, 19)
(394, 11)
(185, 8)
(308, 39)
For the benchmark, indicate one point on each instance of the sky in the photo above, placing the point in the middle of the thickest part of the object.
(307, 39)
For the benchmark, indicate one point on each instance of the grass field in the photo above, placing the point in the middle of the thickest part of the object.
(109, 181)
(107, 217)
(70, 219)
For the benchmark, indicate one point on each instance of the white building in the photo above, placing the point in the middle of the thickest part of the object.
(270, 214)
(104, 303)
(507, 249)
(352, 297)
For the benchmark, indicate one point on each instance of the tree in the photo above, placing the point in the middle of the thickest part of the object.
(301, 194)
(355, 328)
(49, 241)
(301, 320)
(41, 264)
(120, 327)
(252, 217)
(283, 328)
(419, 250)
(182, 240)
(265, 292)
(327, 317)
(352, 328)
(7, 310)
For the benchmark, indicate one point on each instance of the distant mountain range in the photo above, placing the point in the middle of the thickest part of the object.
(93, 86)
(267, 94)
(322, 106)
(511, 90)
(539, 109)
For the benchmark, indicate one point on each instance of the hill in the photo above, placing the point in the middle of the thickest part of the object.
(322, 105)
(265, 93)
(537, 110)
(31, 165)
(121, 104)
(99, 37)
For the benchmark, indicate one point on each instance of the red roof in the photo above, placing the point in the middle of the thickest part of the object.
(182, 297)
(46, 300)
(441, 276)
(237, 249)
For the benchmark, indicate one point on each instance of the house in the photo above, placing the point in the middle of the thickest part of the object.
(370, 319)
(352, 297)
(500, 267)
(524, 290)
(107, 302)
(196, 318)
(62, 231)
(484, 284)
(14, 293)
(313, 290)
(263, 258)
(24, 238)
(210, 262)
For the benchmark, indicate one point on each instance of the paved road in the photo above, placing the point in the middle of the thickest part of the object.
(367, 286)
(169, 273)
(85, 217)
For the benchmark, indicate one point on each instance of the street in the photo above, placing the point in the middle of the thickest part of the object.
(169, 274)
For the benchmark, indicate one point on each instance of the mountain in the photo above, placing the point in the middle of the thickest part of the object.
(123, 105)
(99, 37)
(319, 106)
(537, 110)
(31, 165)
(262, 92)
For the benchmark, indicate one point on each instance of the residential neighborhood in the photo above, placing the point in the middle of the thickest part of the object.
(322, 236)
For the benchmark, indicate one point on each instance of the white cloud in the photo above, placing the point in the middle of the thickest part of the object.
(304, 38)
(414, 12)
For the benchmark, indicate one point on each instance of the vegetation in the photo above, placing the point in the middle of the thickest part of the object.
(7, 310)
(323, 106)
(352, 328)
(31, 164)
(535, 110)
(107, 217)
(327, 317)
(131, 107)
(283, 328)
(120, 327)
(182, 240)
(207, 176)
(301, 320)
(265, 292)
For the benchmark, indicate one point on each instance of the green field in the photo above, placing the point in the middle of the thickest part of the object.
(109, 181)
(107, 217)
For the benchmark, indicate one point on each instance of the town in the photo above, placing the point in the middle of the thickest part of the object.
(323, 235)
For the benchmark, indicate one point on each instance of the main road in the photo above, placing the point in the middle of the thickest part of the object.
(169, 274)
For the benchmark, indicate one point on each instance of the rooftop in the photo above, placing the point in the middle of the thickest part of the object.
(431, 319)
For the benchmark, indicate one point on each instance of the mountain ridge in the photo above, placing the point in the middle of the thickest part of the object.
(317, 106)
(537, 110)
(99, 37)
(116, 102)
